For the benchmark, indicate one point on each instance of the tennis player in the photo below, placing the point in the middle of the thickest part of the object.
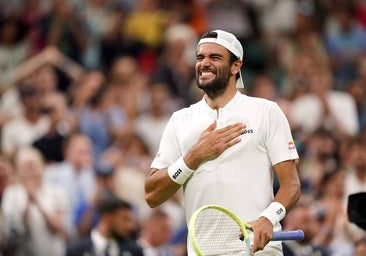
(226, 148)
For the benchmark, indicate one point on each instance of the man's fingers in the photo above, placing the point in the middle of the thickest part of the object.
(211, 127)
(260, 241)
(233, 130)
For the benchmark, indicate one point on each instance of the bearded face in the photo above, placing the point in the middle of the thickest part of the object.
(213, 69)
(217, 85)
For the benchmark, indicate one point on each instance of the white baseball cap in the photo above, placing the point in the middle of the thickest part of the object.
(231, 43)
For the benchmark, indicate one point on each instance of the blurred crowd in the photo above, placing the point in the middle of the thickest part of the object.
(87, 87)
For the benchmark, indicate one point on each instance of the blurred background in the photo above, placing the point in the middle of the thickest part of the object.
(87, 87)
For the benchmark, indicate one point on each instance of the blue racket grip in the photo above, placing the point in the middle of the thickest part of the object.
(288, 235)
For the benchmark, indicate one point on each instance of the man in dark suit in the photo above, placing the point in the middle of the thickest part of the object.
(112, 234)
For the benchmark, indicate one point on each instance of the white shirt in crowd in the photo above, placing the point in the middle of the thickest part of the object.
(40, 238)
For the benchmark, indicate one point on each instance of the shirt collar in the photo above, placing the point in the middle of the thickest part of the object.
(227, 106)
(100, 242)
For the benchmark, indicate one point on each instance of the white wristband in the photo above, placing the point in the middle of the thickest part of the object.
(275, 212)
(179, 171)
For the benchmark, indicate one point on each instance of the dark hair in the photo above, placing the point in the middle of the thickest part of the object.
(26, 89)
(98, 95)
(211, 34)
(109, 202)
(21, 27)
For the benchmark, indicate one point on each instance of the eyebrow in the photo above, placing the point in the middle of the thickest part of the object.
(210, 55)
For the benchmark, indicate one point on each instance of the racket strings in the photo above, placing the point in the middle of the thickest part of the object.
(218, 234)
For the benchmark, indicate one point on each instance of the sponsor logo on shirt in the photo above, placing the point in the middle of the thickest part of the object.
(291, 145)
(247, 131)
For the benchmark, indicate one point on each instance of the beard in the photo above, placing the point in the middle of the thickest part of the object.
(215, 88)
(118, 236)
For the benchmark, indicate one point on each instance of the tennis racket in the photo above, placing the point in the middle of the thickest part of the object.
(215, 230)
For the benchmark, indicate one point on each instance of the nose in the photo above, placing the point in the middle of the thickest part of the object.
(205, 62)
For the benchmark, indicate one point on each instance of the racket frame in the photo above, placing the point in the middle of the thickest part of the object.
(244, 227)
(241, 224)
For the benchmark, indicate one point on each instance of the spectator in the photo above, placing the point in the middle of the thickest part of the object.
(14, 47)
(64, 28)
(302, 217)
(77, 176)
(112, 234)
(32, 14)
(335, 232)
(116, 42)
(330, 109)
(131, 167)
(151, 123)
(6, 178)
(276, 18)
(302, 42)
(81, 93)
(345, 42)
(355, 160)
(156, 234)
(98, 18)
(40, 70)
(6, 175)
(175, 66)
(44, 69)
(51, 144)
(146, 23)
(321, 154)
(128, 87)
(105, 181)
(34, 224)
(84, 88)
(101, 120)
(229, 16)
(25, 129)
(357, 89)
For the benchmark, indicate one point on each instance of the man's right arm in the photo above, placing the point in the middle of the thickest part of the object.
(159, 187)
(161, 184)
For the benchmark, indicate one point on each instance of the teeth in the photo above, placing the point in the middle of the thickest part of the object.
(206, 73)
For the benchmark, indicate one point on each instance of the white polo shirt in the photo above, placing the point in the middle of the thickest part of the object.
(241, 178)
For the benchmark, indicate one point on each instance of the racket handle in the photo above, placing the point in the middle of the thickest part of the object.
(288, 235)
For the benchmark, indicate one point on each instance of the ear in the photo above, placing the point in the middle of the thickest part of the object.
(235, 67)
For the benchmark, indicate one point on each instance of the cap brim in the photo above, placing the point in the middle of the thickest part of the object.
(239, 82)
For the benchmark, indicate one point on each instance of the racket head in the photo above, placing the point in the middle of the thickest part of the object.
(215, 230)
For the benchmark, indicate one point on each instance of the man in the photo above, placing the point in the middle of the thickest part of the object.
(30, 125)
(156, 234)
(76, 175)
(54, 105)
(304, 217)
(328, 108)
(112, 235)
(222, 149)
(34, 224)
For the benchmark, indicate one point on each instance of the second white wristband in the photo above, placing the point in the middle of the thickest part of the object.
(275, 212)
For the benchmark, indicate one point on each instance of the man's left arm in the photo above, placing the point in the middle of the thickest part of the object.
(285, 199)
(289, 181)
